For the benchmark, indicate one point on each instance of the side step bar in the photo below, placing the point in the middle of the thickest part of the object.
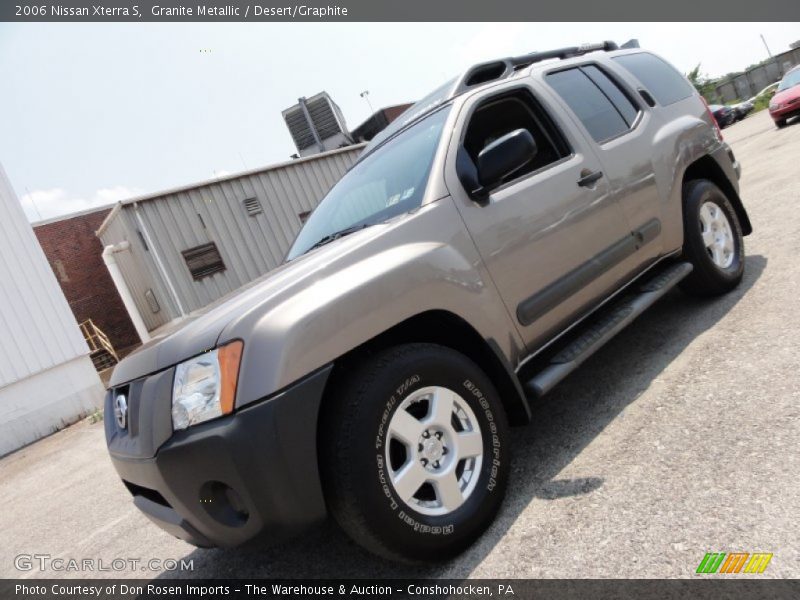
(612, 321)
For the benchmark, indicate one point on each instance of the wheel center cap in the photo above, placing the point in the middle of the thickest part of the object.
(432, 449)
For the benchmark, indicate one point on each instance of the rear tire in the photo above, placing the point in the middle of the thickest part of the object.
(713, 240)
(414, 453)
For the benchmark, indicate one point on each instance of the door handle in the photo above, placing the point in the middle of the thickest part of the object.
(589, 177)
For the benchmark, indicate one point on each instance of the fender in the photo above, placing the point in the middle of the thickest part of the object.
(365, 289)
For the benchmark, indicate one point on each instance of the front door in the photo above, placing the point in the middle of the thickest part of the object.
(552, 236)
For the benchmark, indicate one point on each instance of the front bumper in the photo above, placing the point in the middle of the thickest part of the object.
(224, 482)
(785, 112)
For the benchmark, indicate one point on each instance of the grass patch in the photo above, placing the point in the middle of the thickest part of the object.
(95, 417)
(761, 102)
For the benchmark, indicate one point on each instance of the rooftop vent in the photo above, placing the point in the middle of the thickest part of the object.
(316, 124)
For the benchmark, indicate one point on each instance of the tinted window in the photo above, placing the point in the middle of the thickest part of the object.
(597, 113)
(663, 82)
(622, 103)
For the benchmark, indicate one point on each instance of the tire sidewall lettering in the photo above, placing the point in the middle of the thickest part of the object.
(475, 391)
(404, 513)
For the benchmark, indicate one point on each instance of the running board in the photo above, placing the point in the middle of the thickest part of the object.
(605, 327)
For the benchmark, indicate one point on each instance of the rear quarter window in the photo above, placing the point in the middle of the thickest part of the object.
(659, 78)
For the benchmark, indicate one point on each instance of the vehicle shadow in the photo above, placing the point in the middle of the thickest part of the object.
(569, 419)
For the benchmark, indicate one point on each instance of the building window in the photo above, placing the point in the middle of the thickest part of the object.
(203, 260)
(252, 206)
(303, 216)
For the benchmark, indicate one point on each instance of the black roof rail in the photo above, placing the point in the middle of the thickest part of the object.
(495, 70)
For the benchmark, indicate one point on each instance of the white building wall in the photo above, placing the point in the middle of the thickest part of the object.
(46, 377)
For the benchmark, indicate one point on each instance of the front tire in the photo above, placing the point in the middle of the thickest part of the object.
(712, 242)
(414, 453)
(780, 123)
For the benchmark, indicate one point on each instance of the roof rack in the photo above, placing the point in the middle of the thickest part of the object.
(496, 70)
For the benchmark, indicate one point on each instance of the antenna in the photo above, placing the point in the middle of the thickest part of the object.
(33, 203)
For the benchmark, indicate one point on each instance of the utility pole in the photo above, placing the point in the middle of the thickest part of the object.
(765, 45)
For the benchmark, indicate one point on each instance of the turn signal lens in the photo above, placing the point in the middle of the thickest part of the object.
(229, 357)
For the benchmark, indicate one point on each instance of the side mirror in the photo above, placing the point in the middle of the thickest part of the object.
(505, 155)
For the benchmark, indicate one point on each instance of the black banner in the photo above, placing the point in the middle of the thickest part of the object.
(397, 10)
(463, 589)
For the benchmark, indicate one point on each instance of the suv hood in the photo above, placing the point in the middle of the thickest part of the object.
(204, 329)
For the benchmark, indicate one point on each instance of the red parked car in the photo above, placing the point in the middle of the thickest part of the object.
(785, 104)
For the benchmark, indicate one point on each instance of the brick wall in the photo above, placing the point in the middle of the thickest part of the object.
(74, 253)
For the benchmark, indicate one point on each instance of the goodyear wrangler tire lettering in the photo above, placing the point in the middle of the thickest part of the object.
(435, 429)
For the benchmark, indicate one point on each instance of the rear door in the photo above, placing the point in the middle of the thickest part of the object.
(622, 129)
(552, 236)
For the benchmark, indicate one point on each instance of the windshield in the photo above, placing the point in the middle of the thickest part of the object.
(389, 182)
(791, 80)
(427, 104)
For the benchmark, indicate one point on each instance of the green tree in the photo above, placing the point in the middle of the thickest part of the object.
(703, 84)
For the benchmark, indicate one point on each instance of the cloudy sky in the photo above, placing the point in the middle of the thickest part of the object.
(91, 114)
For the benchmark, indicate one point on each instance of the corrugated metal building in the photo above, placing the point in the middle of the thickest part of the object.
(46, 377)
(192, 245)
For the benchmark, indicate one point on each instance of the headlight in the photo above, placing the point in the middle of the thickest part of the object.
(205, 386)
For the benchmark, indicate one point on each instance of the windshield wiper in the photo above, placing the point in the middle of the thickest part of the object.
(338, 234)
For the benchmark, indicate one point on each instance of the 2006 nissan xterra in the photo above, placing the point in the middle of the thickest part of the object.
(483, 246)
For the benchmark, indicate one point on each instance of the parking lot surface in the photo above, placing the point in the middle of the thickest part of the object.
(679, 438)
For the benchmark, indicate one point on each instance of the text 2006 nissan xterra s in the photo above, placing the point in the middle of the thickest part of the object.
(483, 246)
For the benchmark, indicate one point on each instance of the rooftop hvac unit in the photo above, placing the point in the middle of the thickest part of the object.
(316, 125)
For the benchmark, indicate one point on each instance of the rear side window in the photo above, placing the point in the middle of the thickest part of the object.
(660, 78)
(621, 102)
(598, 102)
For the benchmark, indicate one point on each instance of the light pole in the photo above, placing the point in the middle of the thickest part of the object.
(365, 96)
(765, 44)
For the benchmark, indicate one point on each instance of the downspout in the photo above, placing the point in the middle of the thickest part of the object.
(123, 289)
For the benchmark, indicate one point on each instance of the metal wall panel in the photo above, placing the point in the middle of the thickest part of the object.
(139, 271)
(250, 245)
(37, 325)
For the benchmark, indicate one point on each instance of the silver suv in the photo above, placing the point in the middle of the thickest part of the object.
(483, 246)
